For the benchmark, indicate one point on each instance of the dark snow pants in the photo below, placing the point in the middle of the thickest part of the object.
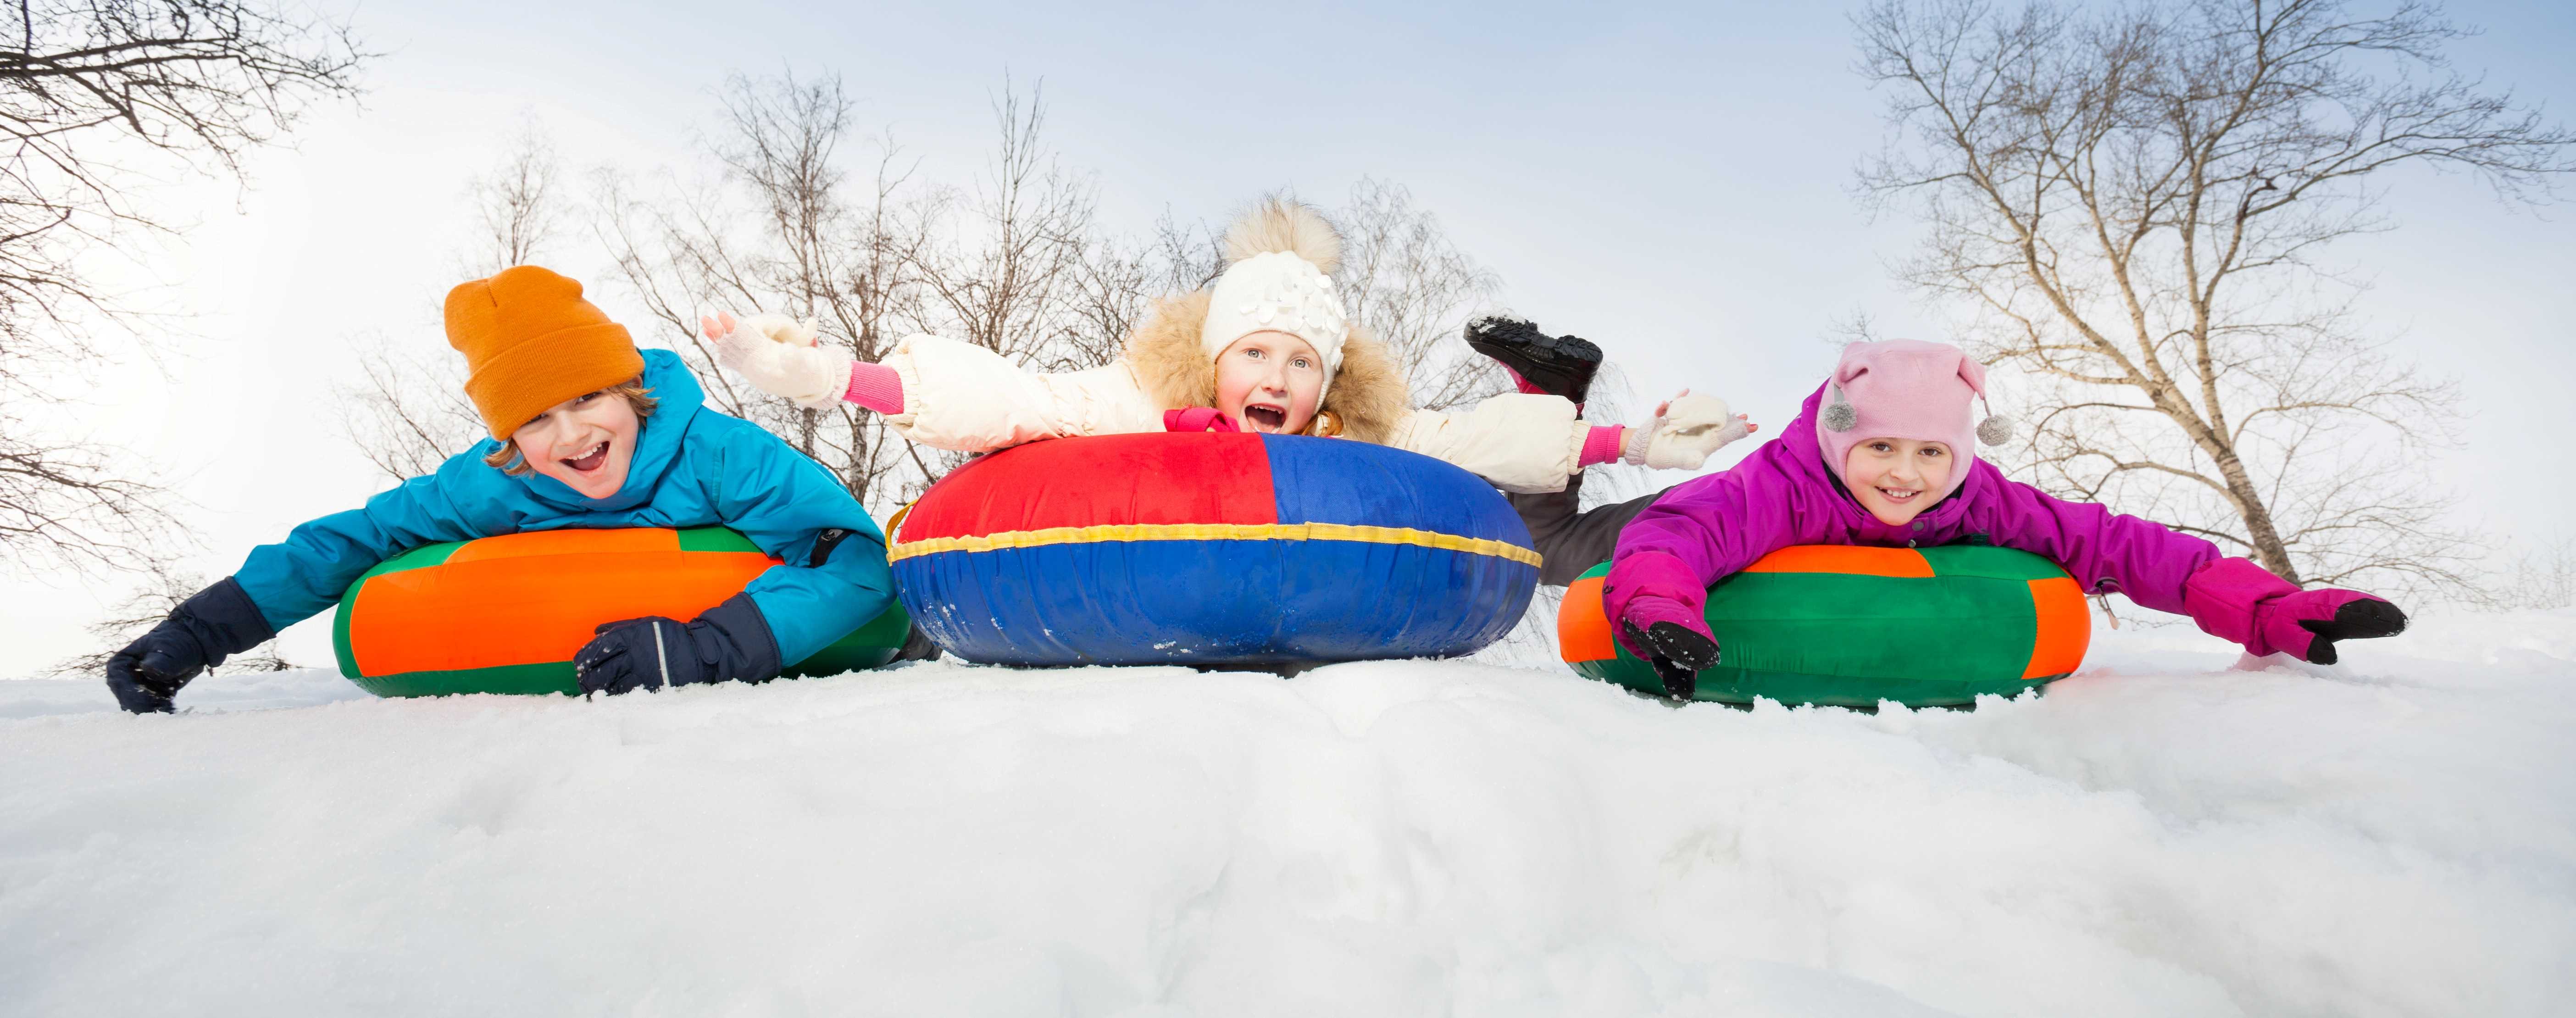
(1570, 538)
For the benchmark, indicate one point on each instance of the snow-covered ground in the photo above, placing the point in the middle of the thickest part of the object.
(2160, 835)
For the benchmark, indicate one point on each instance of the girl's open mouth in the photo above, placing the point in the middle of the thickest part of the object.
(1265, 418)
(1899, 495)
(589, 461)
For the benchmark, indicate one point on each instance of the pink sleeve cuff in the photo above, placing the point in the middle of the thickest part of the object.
(876, 387)
(1601, 446)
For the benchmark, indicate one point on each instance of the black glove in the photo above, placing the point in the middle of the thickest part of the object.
(210, 625)
(1677, 655)
(731, 641)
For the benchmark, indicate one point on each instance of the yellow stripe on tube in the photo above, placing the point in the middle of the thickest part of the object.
(1214, 532)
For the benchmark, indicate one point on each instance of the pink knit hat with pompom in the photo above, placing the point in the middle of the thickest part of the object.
(1903, 388)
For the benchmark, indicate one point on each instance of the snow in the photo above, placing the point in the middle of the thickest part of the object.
(2162, 834)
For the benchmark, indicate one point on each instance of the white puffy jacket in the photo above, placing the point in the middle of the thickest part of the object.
(966, 398)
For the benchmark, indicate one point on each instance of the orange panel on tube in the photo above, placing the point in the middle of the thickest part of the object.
(2064, 628)
(1582, 628)
(567, 542)
(1853, 560)
(488, 611)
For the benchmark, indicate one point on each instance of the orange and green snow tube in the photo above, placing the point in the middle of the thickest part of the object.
(1851, 626)
(505, 614)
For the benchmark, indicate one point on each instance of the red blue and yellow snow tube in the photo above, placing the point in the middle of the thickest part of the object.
(1211, 549)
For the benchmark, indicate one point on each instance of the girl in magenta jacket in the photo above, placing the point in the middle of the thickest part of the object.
(1882, 454)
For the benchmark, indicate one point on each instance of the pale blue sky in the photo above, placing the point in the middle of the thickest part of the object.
(1671, 181)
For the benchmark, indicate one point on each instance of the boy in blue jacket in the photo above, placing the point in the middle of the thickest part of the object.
(587, 431)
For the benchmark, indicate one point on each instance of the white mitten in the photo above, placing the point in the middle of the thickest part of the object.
(778, 355)
(781, 329)
(1683, 436)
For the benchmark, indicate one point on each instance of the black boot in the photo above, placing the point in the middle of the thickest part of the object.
(1561, 365)
(917, 646)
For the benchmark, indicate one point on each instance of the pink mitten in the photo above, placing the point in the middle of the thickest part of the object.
(1198, 418)
(1656, 608)
(2235, 599)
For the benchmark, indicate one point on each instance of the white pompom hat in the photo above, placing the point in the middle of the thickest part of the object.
(1280, 260)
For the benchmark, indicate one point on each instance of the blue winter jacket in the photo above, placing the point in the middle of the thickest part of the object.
(693, 467)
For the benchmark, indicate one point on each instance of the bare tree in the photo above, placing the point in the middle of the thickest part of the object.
(407, 412)
(1414, 290)
(96, 98)
(787, 231)
(1011, 281)
(2136, 203)
(1116, 284)
(2542, 577)
(1016, 265)
(519, 205)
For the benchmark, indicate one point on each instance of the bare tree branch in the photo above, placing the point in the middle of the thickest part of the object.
(1414, 290)
(2132, 204)
(169, 586)
(97, 97)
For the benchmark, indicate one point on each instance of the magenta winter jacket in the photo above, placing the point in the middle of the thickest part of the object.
(1783, 495)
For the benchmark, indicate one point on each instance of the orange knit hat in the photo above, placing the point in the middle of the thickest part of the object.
(531, 342)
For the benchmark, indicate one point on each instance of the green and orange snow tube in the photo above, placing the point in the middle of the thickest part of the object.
(505, 614)
(1852, 626)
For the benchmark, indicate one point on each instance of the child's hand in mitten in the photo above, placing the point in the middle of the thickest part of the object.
(778, 355)
(2305, 625)
(216, 622)
(656, 651)
(1685, 431)
(1657, 611)
(2238, 600)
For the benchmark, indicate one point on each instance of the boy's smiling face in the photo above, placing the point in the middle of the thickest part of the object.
(1269, 382)
(586, 442)
(1897, 478)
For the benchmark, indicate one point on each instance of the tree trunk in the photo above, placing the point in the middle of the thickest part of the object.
(2259, 529)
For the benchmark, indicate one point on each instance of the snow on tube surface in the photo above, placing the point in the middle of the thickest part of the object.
(1211, 549)
(506, 614)
(1850, 626)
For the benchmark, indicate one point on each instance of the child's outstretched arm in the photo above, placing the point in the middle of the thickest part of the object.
(2160, 568)
(1531, 443)
(281, 584)
(938, 392)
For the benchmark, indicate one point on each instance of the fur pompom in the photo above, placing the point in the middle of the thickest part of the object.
(1838, 415)
(1285, 224)
(1995, 430)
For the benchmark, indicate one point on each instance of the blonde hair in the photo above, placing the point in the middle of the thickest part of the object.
(511, 461)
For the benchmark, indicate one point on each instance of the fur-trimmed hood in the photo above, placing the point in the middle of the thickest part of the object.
(1368, 394)
(1174, 356)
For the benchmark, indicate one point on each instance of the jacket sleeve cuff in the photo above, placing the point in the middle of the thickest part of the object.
(876, 387)
(2222, 596)
(907, 380)
(1602, 444)
(749, 651)
(224, 620)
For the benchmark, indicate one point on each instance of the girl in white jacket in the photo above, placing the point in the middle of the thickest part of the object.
(1267, 347)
